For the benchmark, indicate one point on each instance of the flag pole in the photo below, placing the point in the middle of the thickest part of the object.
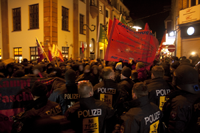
(43, 50)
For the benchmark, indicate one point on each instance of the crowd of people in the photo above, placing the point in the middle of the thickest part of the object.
(111, 97)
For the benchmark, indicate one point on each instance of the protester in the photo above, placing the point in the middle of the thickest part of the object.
(86, 75)
(89, 114)
(126, 83)
(118, 69)
(178, 109)
(41, 107)
(95, 73)
(143, 116)
(142, 73)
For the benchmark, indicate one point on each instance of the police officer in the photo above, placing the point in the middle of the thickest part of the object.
(178, 109)
(106, 90)
(158, 88)
(143, 117)
(41, 107)
(89, 114)
(67, 94)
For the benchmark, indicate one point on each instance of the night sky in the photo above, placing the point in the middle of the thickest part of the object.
(143, 8)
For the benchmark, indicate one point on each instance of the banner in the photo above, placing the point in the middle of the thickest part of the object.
(40, 50)
(102, 36)
(122, 19)
(14, 96)
(125, 44)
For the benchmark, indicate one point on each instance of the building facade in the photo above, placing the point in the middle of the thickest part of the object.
(185, 21)
(70, 24)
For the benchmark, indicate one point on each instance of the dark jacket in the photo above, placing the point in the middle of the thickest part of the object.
(158, 89)
(89, 115)
(178, 111)
(86, 76)
(41, 108)
(143, 117)
(107, 92)
(66, 96)
(127, 85)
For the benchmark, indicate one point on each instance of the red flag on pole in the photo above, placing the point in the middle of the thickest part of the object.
(40, 50)
(83, 47)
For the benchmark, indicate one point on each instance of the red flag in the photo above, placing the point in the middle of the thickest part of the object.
(125, 44)
(82, 47)
(50, 53)
(146, 27)
(109, 27)
(60, 55)
(40, 50)
(161, 45)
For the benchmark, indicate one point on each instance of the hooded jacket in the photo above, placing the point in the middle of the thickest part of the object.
(143, 117)
(89, 115)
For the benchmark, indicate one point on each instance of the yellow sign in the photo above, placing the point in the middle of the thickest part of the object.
(107, 98)
(154, 127)
(162, 102)
(91, 125)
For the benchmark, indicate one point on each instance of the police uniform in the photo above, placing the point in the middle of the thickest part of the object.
(143, 117)
(178, 110)
(158, 89)
(41, 108)
(107, 92)
(89, 115)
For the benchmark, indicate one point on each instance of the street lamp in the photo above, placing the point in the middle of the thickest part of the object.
(137, 28)
(190, 31)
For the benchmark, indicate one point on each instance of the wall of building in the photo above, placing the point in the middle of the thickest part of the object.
(24, 38)
(82, 10)
(65, 38)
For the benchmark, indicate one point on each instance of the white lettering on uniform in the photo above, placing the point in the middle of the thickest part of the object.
(107, 90)
(89, 113)
(162, 92)
(152, 118)
(71, 96)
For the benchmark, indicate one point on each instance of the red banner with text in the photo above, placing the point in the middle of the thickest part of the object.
(14, 96)
(125, 44)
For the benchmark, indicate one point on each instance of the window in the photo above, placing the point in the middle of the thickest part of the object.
(16, 19)
(18, 54)
(101, 9)
(34, 53)
(81, 23)
(120, 9)
(193, 2)
(107, 13)
(82, 0)
(198, 1)
(65, 19)
(65, 52)
(34, 16)
(0, 53)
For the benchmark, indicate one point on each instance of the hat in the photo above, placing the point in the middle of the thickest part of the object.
(175, 64)
(118, 66)
(70, 75)
(126, 72)
(39, 89)
(186, 78)
(140, 64)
